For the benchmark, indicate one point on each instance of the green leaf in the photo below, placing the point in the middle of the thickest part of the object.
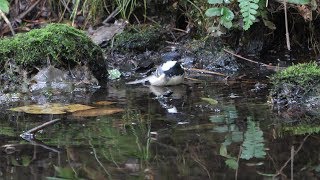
(217, 119)
(232, 163)
(221, 129)
(4, 6)
(223, 151)
(269, 24)
(253, 6)
(302, 2)
(266, 174)
(114, 74)
(253, 145)
(227, 14)
(215, 1)
(249, 11)
(227, 24)
(64, 172)
(213, 12)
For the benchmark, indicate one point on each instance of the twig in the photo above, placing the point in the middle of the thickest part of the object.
(205, 71)
(22, 15)
(252, 61)
(7, 21)
(193, 79)
(28, 135)
(239, 154)
(286, 24)
(112, 15)
(195, 157)
(36, 142)
(292, 156)
(290, 159)
(97, 159)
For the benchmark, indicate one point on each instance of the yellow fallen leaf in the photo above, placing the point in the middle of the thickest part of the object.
(97, 112)
(103, 103)
(51, 108)
(77, 107)
(210, 100)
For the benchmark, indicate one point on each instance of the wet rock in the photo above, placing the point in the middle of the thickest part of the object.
(63, 45)
(49, 74)
(296, 86)
(170, 56)
(139, 39)
(105, 33)
(254, 41)
(62, 80)
(219, 61)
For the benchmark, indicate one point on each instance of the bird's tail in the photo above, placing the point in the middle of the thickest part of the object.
(138, 81)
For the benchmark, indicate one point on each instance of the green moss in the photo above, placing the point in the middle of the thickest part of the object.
(305, 75)
(58, 42)
(138, 38)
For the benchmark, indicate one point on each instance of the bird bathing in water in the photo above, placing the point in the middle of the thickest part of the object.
(168, 74)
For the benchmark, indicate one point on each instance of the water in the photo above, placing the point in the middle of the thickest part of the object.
(149, 141)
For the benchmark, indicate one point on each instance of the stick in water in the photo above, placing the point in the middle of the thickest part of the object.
(30, 134)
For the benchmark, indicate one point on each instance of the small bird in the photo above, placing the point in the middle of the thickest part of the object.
(168, 74)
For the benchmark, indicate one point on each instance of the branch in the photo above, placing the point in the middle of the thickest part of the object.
(205, 71)
(29, 135)
(22, 15)
(7, 21)
(275, 68)
(291, 157)
(111, 16)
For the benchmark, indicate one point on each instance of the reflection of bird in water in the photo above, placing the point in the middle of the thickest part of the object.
(168, 74)
(164, 95)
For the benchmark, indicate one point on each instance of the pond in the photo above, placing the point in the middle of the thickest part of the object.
(204, 130)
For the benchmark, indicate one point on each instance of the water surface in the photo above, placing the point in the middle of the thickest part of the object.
(149, 141)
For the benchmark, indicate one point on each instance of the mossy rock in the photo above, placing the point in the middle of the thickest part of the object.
(138, 39)
(63, 45)
(302, 129)
(296, 84)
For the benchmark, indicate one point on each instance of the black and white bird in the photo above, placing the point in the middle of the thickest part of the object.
(168, 74)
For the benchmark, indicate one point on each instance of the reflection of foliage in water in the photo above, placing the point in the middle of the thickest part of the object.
(225, 122)
(253, 145)
(302, 129)
(106, 143)
(8, 131)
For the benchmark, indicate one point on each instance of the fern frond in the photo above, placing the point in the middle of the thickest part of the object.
(248, 9)
(253, 145)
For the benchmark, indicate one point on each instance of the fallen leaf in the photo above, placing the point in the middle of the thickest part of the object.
(210, 101)
(103, 103)
(114, 74)
(97, 112)
(51, 108)
(77, 107)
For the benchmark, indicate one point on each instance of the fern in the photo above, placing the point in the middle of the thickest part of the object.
(253, 145)
(248, 9)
